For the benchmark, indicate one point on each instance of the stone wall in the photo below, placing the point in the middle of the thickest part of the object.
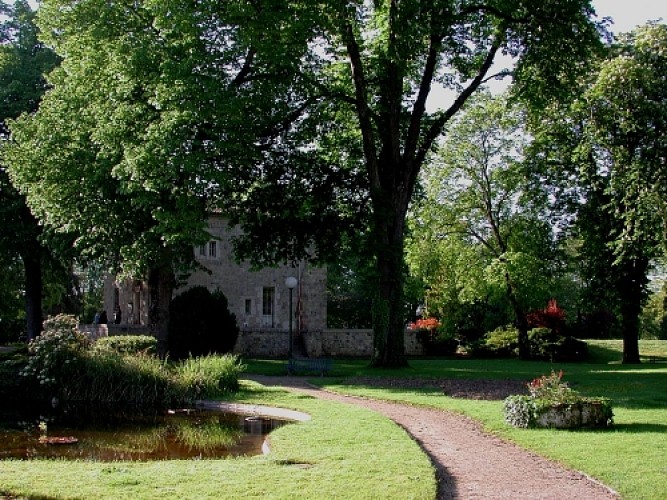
(94, 332)
(338, 343)
(262, 344)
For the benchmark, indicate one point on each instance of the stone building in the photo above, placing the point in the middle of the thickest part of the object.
(260, 301)
(258, 298)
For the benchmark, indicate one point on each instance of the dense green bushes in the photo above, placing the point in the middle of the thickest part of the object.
(545, 344)
(128, 344)
(200, 323)
(63, 364)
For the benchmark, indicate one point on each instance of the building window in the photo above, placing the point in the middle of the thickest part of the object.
(248, 306)
(212, 248)
(202, 250)
(268, 301)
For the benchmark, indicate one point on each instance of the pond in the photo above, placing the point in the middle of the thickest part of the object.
(109, 434)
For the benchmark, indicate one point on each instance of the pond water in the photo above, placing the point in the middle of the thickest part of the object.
(107, 434)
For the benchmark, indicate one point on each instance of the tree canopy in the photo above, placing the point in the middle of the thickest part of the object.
(608, 150)
(23, 62)
(296, 118)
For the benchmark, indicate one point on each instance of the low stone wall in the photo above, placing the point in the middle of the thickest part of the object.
(338, 343)
(350, 343)
(262, 344)
(94, 332)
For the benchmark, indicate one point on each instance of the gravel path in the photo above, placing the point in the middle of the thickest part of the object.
(470, 464)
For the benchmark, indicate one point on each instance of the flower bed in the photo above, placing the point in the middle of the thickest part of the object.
(553, 404)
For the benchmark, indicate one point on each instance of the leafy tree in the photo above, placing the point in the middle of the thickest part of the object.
(23, 62)
(608, 149)
(360, 93)
(473, 195)
(297, 117)
(110, 157)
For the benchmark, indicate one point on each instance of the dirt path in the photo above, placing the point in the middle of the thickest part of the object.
(470, 463)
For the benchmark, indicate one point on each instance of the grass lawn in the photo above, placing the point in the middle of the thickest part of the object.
(349, 452)
(630, 458)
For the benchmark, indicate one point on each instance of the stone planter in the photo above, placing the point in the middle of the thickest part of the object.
(574, 415)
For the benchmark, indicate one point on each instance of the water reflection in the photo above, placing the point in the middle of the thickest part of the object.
(109, 434)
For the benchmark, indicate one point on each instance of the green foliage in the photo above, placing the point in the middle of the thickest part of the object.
(56, 354)
(62, 363)
(128, 344)
(546, 344)
(111, 377)
(209, 376)
(437, 342)
(475, 236)
(654, 316)
(201, 323)
(605, 153)
(23, 62)
(349, 292)
(503, 342)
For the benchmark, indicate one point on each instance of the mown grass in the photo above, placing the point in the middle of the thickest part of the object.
(343, 452)
(348, 452)
(631, 457)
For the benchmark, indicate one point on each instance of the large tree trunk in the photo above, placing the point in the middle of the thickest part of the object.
(161, 283)
(388, 307)
(32, 265)
(631, 293)
(520, 319)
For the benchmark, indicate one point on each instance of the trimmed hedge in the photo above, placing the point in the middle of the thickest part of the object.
(128, 344)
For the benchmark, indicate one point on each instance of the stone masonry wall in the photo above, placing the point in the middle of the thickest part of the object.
(339, 343)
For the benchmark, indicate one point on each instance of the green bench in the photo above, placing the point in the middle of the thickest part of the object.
(322, 366)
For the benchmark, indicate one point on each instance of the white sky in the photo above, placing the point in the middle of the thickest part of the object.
(629, 13)
(626, 15)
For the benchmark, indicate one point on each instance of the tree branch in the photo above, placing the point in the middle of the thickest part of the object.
(436, 128)
(414, 129)
(246, 69)
(361, 99)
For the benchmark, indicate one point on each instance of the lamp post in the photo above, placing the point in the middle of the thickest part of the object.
(290, 283)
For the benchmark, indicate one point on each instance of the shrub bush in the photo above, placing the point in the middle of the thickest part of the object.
(502, 342)
(55, 355)
(436, 342)
(552, 317)
(119, 371)
(546, 344)
(128, 344)
(200, 323)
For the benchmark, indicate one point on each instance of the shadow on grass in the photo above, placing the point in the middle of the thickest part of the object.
(11, 495)
(638, 428)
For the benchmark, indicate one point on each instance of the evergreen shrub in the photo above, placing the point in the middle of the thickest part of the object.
(200, 323)
(545, 344)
